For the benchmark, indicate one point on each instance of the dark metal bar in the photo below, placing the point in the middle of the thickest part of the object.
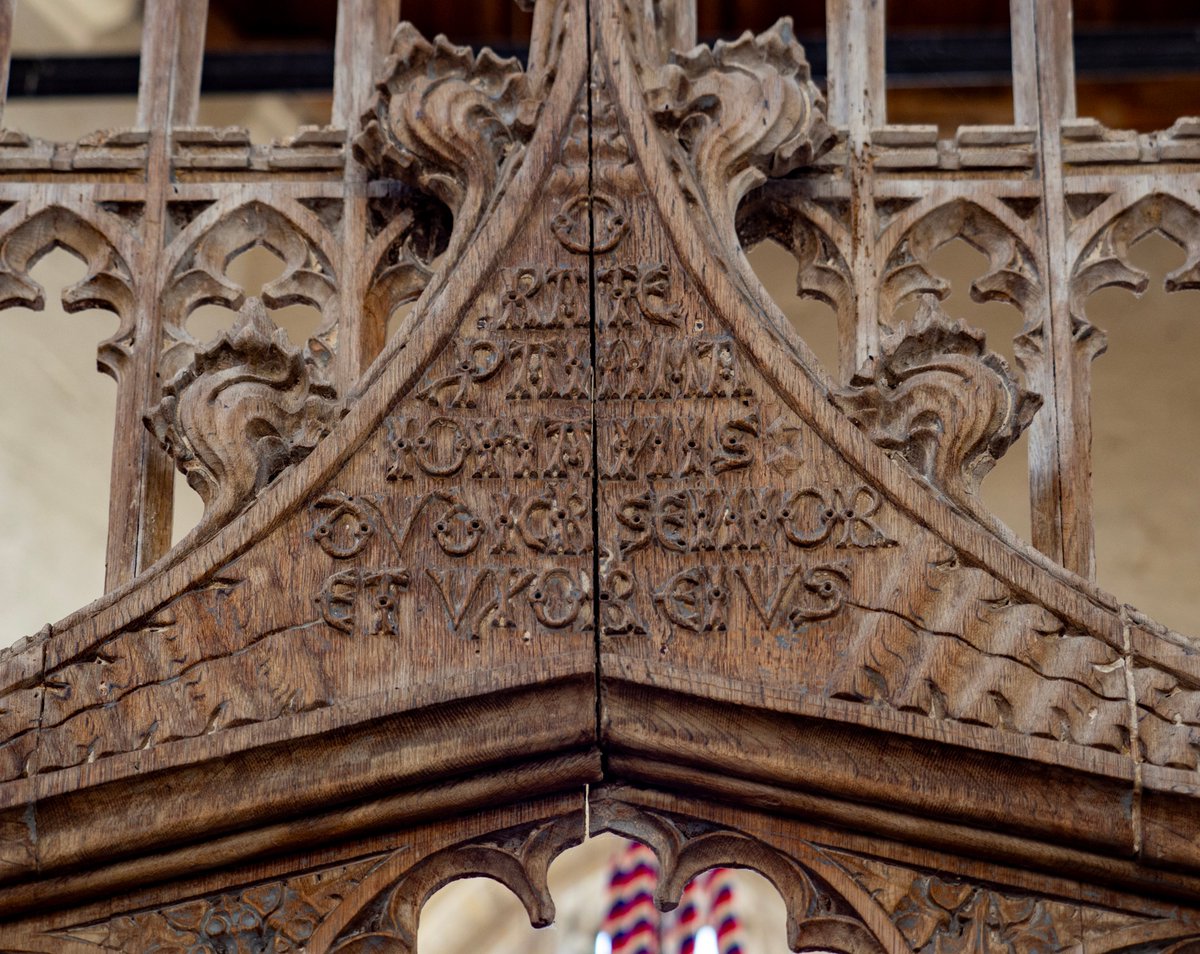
(925, 59)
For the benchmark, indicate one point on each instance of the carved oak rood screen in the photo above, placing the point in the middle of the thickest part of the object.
(593, 515)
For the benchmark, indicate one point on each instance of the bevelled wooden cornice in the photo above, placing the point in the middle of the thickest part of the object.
(594, 516)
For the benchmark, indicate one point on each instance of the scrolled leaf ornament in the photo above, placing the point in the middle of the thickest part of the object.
(943, 401)
(248, 405)
(448, 122)
(742, 112)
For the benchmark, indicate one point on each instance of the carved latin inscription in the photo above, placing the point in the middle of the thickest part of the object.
(482, 448)
(470, 599)
(458, 522)
(356, 598)
(540, 297)
(653, 447)
(629, 367)
(751, 520)
(787, 596)
(656, 368)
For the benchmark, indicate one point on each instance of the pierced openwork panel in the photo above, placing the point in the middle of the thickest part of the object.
(592, 514)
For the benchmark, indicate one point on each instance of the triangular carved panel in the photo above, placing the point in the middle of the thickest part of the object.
(592, 516)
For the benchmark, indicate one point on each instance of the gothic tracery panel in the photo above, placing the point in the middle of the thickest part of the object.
(593, 516)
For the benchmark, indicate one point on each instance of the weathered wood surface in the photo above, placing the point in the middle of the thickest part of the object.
(844, 892)
(594, 514)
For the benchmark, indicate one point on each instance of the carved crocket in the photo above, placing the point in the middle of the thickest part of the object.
(246, 407)
(939, 397)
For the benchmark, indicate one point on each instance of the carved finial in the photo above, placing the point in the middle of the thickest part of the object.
(940, 398)
(246, 407)
(447, 122)
(743, 112)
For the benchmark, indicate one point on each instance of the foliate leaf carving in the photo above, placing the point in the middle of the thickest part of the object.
(742, 112)
(248, 405)
(448, 122)
(943, 914)
(939, 398)
(277, 916)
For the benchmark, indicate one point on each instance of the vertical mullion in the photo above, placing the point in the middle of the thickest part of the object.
(1044, 486)
(1024, 63)
(672, 25)
(140, 505)
(188, 64)
(7, 9)
(1061, 478)
(857, 101)
(361, 24)
(364, 30)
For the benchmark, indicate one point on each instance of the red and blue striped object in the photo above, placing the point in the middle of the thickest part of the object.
(635, 925)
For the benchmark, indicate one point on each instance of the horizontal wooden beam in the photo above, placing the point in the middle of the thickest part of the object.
(913, 58)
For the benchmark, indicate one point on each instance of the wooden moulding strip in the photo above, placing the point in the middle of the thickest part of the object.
(1170, 818)
(696, 742)
(779, 696)
(513, 783)
(50, 783)
(929, 833)
(225, 800)
(795, 820)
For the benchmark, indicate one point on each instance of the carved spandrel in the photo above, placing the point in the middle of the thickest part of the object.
(277, 916)
(858, 608)
(793, 570)
(939, 913)
(402, 567)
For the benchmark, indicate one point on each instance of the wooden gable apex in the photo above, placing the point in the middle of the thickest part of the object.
(595, 517)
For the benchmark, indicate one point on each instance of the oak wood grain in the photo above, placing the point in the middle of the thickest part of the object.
(593, 515)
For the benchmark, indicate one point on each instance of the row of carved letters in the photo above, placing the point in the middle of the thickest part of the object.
(662, 368)
(540, 296)
(476, 599)
(649, 447)
(750, 519)
(559, 522)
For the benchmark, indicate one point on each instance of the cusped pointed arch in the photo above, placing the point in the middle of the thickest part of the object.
(100, 240)
(821, 246)
(987, 225)
(1112, 230)
(194, 271)
(414, 230)
(820, 916)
